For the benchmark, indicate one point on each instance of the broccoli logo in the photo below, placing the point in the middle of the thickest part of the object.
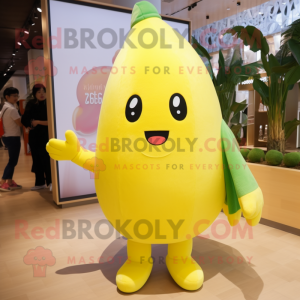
(40, 68)
(94, 165)
(39, 258)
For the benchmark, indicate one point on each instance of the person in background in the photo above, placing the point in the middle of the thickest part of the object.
(35, 118)
(1, 105)
(12, 137)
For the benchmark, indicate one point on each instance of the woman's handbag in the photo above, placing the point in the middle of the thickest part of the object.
(1, 124)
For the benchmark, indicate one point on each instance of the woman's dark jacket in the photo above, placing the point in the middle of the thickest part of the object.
(36, 110)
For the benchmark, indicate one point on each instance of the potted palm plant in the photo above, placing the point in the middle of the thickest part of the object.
(283, 72)
(280, 186)
(231, 72)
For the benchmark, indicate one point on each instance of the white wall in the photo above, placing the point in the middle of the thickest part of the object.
(33, 54)
(19, 82)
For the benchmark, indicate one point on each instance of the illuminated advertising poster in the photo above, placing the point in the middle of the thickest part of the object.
(85, 42)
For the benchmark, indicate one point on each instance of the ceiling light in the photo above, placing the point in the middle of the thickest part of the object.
(14, 53)
(4, 74)
(19, 43)
(39, 9)
(35, 16)
(26, 29)
(31, 23)
(228, 8)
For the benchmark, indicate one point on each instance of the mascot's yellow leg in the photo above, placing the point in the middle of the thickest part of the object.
(182, 267)
(136, 270)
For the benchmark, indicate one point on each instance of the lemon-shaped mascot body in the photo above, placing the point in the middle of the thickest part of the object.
(171, 163)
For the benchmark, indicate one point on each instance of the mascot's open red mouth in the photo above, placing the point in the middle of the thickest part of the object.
(156, 137)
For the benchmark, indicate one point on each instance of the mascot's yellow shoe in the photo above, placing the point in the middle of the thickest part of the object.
(137, 268)
(182, 267)
(133, 275)
(185, 272)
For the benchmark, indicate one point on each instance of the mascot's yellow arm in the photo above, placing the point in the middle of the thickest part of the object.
(251, 206)
(71, 150)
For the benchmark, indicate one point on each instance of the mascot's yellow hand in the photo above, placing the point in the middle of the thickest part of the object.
(64, 150)
(233, 219)
(251, 205)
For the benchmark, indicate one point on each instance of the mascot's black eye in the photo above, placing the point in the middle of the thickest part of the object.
(133, 108)
(178, 107)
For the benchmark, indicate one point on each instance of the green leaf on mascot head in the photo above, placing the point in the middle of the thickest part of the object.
(143, 10)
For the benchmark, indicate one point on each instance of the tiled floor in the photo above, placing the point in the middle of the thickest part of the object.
(263, 264)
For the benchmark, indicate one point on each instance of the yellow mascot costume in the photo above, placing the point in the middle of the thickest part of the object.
(171, 163)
